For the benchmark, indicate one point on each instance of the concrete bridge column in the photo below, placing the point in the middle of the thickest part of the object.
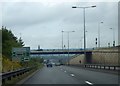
(88, 58)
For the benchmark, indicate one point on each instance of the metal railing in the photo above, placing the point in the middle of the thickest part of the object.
(9, 75)
(98, 66)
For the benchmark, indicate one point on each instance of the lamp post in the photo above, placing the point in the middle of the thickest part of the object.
(113, 37)
(68, 42)
(62, 39)
(99, 34)
(84, 25)
(62, 43)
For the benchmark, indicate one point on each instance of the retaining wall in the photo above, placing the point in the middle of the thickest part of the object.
(99, 56)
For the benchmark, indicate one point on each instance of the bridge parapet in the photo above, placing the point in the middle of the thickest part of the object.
(61, 52)
(107, 50)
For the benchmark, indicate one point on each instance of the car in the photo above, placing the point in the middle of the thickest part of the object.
(57, 64)
(49, 65)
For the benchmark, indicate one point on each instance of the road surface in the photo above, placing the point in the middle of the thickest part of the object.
(71, 75)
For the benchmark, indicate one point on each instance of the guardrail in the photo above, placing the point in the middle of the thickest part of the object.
(98, 66)
(9, 75)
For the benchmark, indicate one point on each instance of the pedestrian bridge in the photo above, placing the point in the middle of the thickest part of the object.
(60, 51)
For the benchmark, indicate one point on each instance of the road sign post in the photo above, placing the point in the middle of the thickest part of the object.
(21, 54)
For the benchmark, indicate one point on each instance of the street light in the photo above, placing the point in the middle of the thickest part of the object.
(62, 39)
(113, 37)
(84, 25)
(99, 34)
(62, 43)
(68, 42)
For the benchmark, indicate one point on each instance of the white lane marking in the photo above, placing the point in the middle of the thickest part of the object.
(65, 71)
(72, 75)
(88, 82)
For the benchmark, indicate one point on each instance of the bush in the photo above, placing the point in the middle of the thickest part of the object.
(8, 65)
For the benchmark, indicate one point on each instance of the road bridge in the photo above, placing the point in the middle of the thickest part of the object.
(59, 51)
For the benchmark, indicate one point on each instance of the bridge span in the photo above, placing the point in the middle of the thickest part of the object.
(59, 52)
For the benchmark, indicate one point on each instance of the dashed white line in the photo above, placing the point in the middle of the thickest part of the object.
(72, 75)
(88, 82)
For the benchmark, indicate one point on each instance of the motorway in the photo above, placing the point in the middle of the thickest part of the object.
(71, 75)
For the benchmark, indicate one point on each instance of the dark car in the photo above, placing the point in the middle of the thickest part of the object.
(49, 64)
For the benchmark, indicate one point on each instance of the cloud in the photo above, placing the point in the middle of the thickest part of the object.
(42, 23)
(0, 14)
(27, 13)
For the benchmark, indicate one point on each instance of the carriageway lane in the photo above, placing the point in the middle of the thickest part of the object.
(51, 75)
(92, 76)
(71, 75)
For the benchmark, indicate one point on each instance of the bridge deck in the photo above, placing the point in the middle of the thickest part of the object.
(60, 52)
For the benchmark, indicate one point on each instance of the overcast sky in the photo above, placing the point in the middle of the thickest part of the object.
(41, 23)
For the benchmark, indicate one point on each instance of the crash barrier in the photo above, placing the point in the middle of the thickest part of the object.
(9, 75)
(98, 66)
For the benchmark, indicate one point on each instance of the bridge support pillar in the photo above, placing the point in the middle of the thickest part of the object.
(88, 58)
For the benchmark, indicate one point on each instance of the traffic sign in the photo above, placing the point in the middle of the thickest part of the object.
(21, 54)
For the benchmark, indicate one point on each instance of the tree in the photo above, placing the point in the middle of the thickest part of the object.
(20, 41)
(9, 41)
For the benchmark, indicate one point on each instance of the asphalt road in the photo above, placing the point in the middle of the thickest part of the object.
(71, 75)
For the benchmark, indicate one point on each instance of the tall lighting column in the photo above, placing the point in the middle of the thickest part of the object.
(84, 25)
(68, 43)
(62, 39)
(99, 33)
(113, 37)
